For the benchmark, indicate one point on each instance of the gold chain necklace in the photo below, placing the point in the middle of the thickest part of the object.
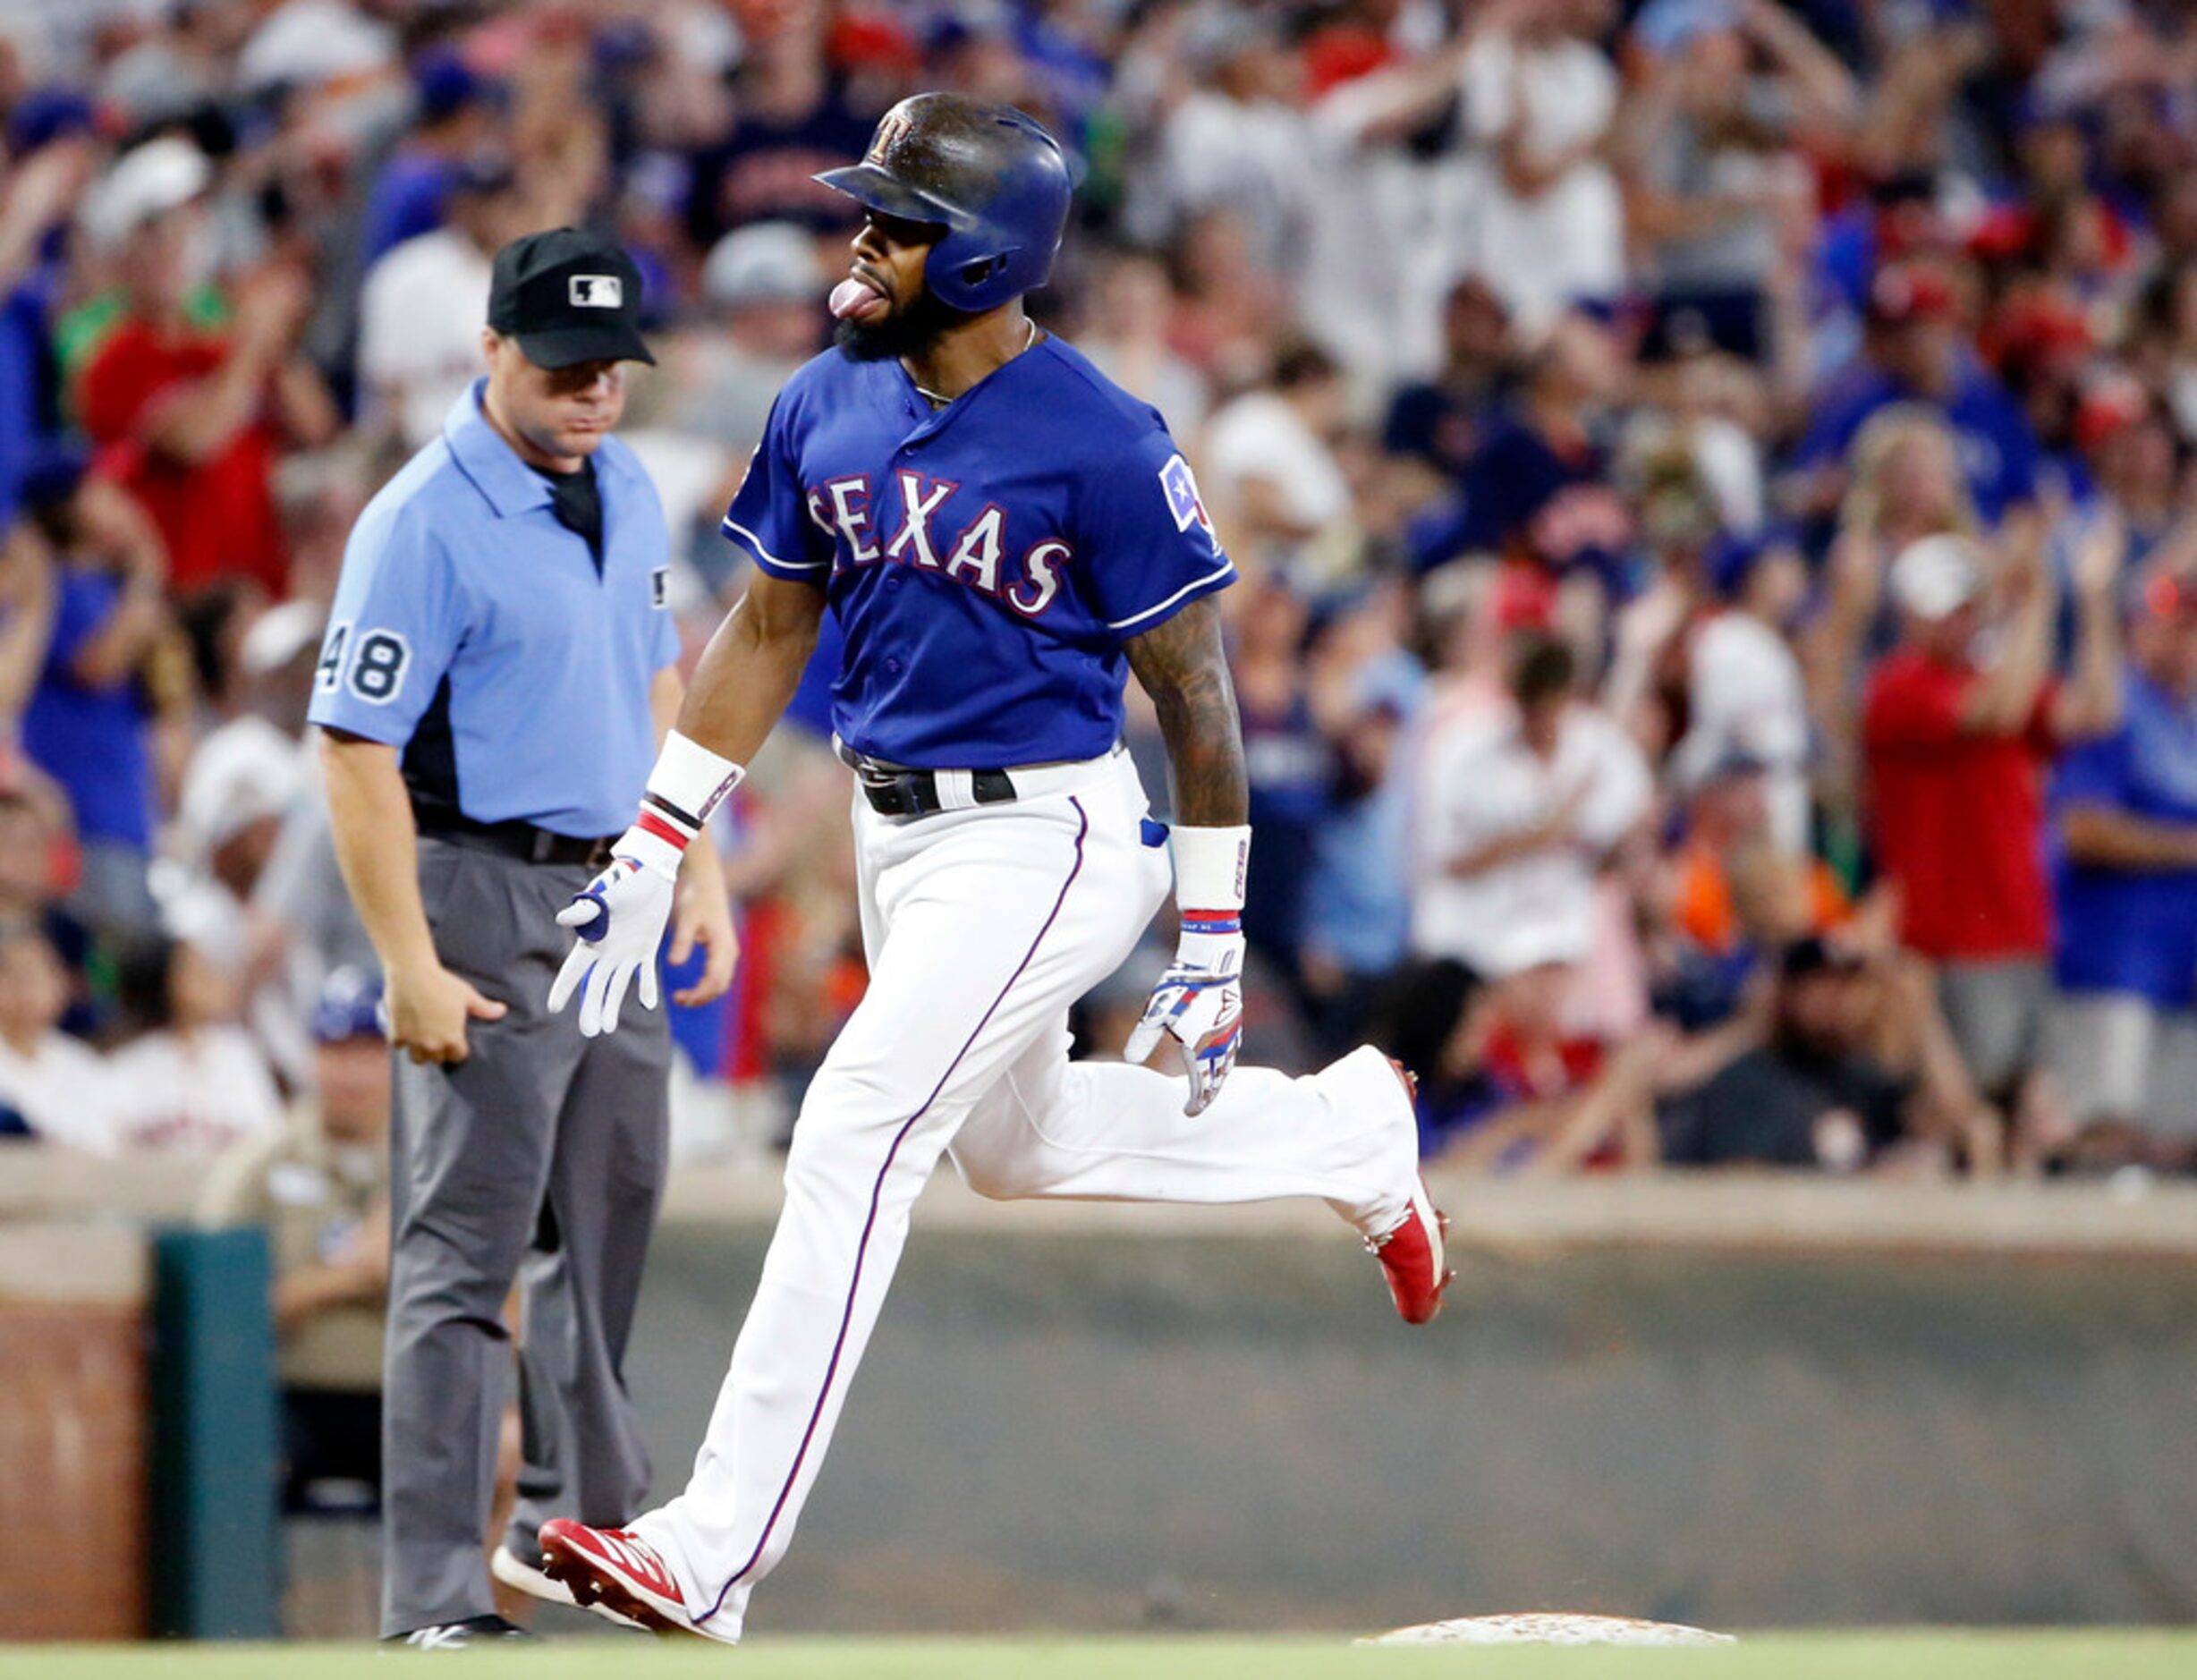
(936, 401)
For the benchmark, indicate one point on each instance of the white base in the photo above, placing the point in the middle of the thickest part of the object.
(1549, 1627)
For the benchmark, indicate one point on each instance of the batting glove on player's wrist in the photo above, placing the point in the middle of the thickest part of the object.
(1199, 1004)
(620, 917)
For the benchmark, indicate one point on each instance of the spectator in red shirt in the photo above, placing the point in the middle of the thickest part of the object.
(192, 422)
(1956, 754)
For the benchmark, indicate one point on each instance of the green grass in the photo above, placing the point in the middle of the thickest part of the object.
(2054, 1655)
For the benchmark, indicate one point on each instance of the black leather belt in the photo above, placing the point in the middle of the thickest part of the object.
(519, 840)
(894, 791)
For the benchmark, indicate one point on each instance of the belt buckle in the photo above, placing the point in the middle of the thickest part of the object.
(891, 796)
(872, 774)
(544, 846)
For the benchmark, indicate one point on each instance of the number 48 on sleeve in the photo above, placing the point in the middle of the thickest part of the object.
(377, 664)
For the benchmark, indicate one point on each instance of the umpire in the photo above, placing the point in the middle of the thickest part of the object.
(498, 671)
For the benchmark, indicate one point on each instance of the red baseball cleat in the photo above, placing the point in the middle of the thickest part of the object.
(1412, 1254)
(616, 1568)
(513, 1571)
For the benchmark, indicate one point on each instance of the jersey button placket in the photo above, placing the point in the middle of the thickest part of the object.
(892, 577)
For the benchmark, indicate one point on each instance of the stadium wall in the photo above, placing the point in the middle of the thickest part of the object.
(1740, 1401)
(73, 1463)
(1972, 1408)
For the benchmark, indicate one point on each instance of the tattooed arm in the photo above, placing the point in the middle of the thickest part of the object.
(1199, 1002)
(1184, 668)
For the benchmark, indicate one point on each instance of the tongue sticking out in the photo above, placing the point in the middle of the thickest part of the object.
(853, 296)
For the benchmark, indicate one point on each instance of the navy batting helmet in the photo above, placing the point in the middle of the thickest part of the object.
(992, 177)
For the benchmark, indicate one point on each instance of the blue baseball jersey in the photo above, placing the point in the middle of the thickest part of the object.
(2132, 930)
(475, 631)
(1998, 448)
(989, 562)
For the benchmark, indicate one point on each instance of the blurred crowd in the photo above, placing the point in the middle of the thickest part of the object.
(1714, 482)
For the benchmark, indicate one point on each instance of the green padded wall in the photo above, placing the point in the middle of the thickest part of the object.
(215, 1433)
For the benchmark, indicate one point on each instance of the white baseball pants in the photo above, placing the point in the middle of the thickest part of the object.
(983, 927)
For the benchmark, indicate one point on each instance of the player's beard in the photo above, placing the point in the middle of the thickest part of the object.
(904, 332)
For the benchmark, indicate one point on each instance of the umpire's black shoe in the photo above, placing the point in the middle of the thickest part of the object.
(457, 1635)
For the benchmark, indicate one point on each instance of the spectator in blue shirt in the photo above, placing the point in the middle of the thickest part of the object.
(38, 196)
(1915, 353)
(1537, 487)
(791, 120)
(1357, 915)
(1288, 761)
(1438, 422)
(88, 726)
(2124, 1038)
(457, 115)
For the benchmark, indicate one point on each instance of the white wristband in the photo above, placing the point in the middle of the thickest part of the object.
(1209, 867)
(692, 780)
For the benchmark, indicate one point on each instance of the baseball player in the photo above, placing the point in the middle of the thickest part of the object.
(1003, 535)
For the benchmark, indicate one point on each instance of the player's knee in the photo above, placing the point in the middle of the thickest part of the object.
(851, 1093)
(995, 1177)
(852, 1129)
(852, 1109)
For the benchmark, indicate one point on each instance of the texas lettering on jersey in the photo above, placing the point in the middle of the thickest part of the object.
(975, 554)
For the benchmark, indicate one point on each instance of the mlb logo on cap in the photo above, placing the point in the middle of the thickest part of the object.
(568, 296)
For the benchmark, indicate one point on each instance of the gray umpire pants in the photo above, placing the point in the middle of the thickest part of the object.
(541, 1155)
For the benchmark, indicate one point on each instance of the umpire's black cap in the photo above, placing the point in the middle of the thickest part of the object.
(568, 296)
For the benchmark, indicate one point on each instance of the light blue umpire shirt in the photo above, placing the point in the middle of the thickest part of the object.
(474, 631)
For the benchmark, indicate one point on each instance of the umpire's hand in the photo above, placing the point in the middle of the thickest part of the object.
(429, 1008)
(702, 917)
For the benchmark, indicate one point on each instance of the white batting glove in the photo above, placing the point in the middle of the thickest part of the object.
(621, 915)
(1199, 1004)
